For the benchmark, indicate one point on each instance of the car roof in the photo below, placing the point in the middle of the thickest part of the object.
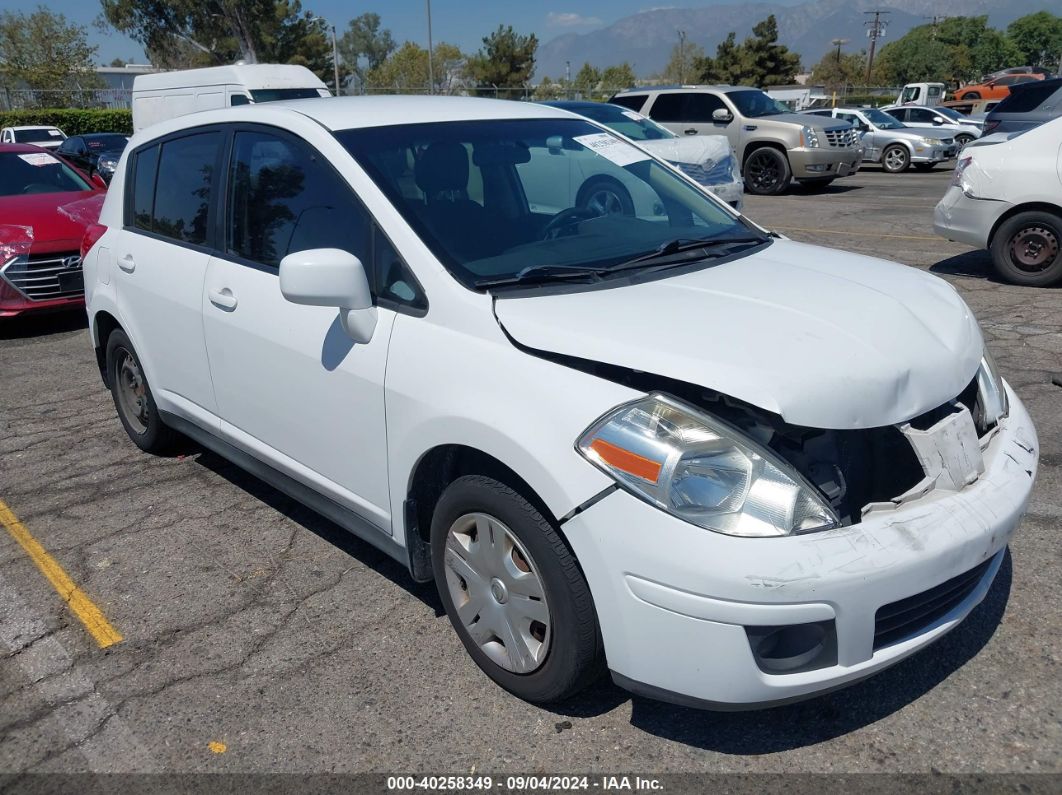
(23, 148)
(576, 104)
(345, 113)
(33, 127)
(686, 88)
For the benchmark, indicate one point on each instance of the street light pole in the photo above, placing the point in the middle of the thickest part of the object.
(682, 57)
(335, 60)
(431, 69)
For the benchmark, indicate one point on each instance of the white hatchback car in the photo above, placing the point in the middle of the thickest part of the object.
(734, 469)
(1006, 196)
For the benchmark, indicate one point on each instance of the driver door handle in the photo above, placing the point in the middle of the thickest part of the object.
(126, 263)
(690, 131)
(223, 299)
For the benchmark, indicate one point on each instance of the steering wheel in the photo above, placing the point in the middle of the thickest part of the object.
(565, 219)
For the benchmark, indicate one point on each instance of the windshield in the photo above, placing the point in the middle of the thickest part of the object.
(753, 103)
(881, 119)
(626, 122)
(493, 199)
(36, 136)
(949, 113)
(23, 173)
(277, 94)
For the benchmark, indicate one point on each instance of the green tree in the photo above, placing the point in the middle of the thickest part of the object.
(726, 67)
(547, 90)
(835, 71)
(363, 46)
(957, 50)
(506, 61)
(406, 70)
(45, 51)
(768, 63)
(619, 76)
(682, 65)
(204, 32)
(586, 79)
(1038, 39)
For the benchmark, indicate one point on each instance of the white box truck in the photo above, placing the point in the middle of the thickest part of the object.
(165, 95)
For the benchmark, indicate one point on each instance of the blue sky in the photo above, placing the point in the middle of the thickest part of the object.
(460, 22)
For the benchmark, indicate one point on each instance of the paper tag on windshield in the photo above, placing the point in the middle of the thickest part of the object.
(38, 159)
(54, 133)
(619, 152)
(630, 114)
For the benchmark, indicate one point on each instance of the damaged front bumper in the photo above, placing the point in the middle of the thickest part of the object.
(696, 617)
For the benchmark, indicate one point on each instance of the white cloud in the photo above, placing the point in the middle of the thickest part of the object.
(568, 19)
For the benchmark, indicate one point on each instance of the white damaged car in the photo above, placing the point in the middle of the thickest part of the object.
(732, 469)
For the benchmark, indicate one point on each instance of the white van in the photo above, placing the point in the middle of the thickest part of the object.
(166, 95)
(919, 94)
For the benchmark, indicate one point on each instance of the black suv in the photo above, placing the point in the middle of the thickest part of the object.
(1028, 105)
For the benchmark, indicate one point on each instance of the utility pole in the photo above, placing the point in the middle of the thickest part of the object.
(335, 60)
(431, 70)
(934, 21)
(682, 56)
(875, 30)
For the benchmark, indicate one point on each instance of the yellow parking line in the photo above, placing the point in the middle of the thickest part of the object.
(84, 608)
(857, 234)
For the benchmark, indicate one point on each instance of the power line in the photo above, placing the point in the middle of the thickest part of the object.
(875, 30)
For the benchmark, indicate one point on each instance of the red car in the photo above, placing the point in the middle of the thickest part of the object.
(45, 205)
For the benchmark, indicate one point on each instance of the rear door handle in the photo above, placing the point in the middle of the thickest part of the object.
(690, 131)
(126, 263)
(223, 299)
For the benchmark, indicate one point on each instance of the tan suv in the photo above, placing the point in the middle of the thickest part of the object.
(773, 144)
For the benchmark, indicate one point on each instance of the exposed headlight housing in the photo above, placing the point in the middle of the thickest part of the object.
(990, 391)
(809, 137)
(703, 471)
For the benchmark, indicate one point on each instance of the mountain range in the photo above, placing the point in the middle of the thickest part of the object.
(645, 39)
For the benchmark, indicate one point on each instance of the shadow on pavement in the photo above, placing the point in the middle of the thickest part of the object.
(974, 264)
(43, 324)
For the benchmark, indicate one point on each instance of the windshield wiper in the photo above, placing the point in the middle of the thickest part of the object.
(679, 245)
(539, 274)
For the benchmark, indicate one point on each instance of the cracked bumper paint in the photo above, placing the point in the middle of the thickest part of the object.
(673, 600)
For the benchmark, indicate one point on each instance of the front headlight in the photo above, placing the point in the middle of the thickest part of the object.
(930, 141)
(990, 391)
(703, 471)
(808, 137)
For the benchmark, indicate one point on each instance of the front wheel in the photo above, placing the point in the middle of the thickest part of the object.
(971, 95)
(766, 172)
(1027, 249)
(895, 159)
(962, 140)
(605, 196)
(133, 399)
(513, 591)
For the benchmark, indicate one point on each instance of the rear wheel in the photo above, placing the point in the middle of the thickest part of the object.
(895, 159)
(513, 591)
(132, 397)
(1027, 249)
(766, 172)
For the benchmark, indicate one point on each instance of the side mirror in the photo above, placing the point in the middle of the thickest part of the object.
(722, 115)
(331, 277)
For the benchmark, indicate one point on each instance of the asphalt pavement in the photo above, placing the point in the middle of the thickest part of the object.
(257, 637)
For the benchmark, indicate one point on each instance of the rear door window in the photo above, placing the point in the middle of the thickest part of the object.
(631, 102)
(185, 187)
(668, 107)
(145, 172)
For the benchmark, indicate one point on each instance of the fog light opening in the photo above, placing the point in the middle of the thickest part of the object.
(794, 647)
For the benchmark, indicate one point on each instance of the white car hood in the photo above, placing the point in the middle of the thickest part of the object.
(825, 338)
(698, 149)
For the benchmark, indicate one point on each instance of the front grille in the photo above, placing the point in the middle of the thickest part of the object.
(719, 172)
(903, 619)
(44, 277)
(842, 136)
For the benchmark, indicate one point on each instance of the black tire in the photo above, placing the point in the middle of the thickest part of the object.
(606, 196)
(924, 166)
(574, 657)
(971, 95)
(895, 159)
(766, 172)
(1027, 249)
(962, 140)
(148, 431)
(816, 184)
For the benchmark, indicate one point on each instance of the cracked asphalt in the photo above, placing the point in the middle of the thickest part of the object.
(258, 637)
